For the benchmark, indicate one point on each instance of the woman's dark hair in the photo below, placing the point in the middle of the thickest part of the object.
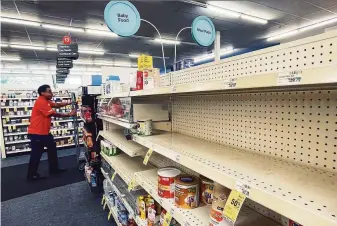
(42, 88)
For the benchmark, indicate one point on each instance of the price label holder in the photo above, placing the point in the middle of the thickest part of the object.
(289, 78)
(113, 176)
(233, 206)
(167, 219)
(109, 215)
(26, 109)
(243, 188)
(230, 83)
(131, 184)
(7, 110)
(147, 156)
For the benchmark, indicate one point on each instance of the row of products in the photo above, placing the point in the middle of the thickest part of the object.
(18, 103)
(188, 190)
(15, 129)
(62, 125)
(109, 148)
(86, 113)
(18, 113)
(19, 95)
(17, 148)
(15, 121)
(15, 138)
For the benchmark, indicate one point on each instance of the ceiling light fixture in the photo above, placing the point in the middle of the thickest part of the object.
(6, 58)
(95, 52)
(319, 24)
(167, 41)
(103, 63)
(62, 28)
(100, 33)
(21, 22)
(4, 45)
(51, 49)
(221, 10)
(254, 19)
(27, 47)
(283, 35)
(134, 55)
(83, 62)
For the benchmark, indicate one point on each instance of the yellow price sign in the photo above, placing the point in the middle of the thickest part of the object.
(145, 62)
(147, 156)
(109, 215)
(9, 128)
(167, 219)
(26, 109)
(113, 176)
(103, 198)
(7, 110)
(233, 206)
(14, 127)
(15, 109)
(131, 184)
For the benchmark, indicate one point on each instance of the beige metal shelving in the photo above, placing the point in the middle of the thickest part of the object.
(129, 147)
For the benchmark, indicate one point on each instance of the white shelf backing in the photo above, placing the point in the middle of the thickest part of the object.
(304, 194)
(129, 147)
(126, 166)
(116, 121)
(113, 211)
(198, 216)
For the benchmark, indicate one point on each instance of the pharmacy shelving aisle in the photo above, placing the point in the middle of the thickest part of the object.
(264, 121)
(15, 113)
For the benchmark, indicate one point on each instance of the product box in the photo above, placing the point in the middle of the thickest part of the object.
(151, 78)
(139, 81)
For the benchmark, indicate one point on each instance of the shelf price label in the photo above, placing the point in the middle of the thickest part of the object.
(289, 78)
(131, 184)
(233, 206)
(7, 110)
(15, 109)
(109, 215)
(7, 119)
(147, 156)
(167, 219)
(26, 109)
(113, 176)
(230, 83)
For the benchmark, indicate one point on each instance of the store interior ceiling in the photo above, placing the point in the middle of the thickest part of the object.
(169, 17)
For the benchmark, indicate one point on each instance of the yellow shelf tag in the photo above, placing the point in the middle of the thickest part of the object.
(103, 198)
(113, 176)
(7, 110)
(15, 109)
(147, 156)
(131, 185)
(233, 206)
(7, 119)
(109, 215)
(14, 127)
(26, 109)
(167, 219)
(9, 128)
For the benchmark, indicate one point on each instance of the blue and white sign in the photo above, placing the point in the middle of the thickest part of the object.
(203, 31)
(122, 17)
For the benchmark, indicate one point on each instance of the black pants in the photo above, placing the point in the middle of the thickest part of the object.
(38, 142)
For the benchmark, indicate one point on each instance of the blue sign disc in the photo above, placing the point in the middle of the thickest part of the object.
(203, 31)
(122, 18)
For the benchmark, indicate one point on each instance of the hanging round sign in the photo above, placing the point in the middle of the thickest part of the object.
(203, 31)
(122, 17)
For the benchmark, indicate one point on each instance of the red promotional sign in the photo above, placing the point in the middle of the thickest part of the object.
(66, 40)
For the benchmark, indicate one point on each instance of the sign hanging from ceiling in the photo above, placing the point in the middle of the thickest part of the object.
(68, 51)
(122, 18)
(203, 31)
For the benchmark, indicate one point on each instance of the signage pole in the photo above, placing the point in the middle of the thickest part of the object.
(175, 46)
(217, 47)
(162, 47)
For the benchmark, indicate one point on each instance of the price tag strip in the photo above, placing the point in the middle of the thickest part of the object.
(113, 176)
(147, 156)
(230, 83)
(289, 78)
(233, 206)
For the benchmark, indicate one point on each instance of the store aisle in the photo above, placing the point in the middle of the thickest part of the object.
(69, 205)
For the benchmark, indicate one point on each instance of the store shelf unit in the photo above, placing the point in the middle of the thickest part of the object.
(116, 121)
(129, 147)
(265, 118)
(28, 149)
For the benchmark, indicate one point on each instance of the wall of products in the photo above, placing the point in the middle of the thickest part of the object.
(16, 109)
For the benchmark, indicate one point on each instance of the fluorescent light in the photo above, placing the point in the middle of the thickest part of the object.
(100, 33)
(3, 58)
(20, 72)
(210, 56)
(27, 47)
(53, 49)
(38, 67)
(254, 19)
(41, 72)
(283, 35)
(62, 28)
(95, 52)
(319, 24)
(134, 55)
(4, 45)
(221, 10)
(122, 64)
(103, 63)
(167, 41)
(5, 71)
(21, 22)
